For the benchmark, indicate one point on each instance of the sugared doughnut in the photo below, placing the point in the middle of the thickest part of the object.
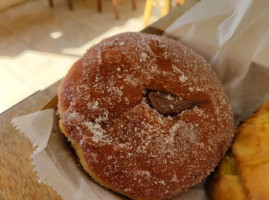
(145, 114)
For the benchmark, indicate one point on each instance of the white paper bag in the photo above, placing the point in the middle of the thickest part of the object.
(233, 35)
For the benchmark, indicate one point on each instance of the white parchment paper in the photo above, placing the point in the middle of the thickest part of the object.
(232, 35)
(54, 161)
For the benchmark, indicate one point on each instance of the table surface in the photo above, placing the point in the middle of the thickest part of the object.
(18, 180)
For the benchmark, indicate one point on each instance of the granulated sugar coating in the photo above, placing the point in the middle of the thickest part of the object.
(122, 140)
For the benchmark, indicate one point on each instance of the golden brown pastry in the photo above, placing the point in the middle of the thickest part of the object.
(146, 115)
(244, 174)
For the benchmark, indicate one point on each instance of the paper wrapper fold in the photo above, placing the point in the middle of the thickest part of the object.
(54, 161)
(232, 35)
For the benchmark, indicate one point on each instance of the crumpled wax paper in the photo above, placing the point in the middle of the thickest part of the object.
(232, 35)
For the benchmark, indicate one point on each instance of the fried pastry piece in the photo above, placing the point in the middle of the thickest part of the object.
(244, 173)
(146, 115)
